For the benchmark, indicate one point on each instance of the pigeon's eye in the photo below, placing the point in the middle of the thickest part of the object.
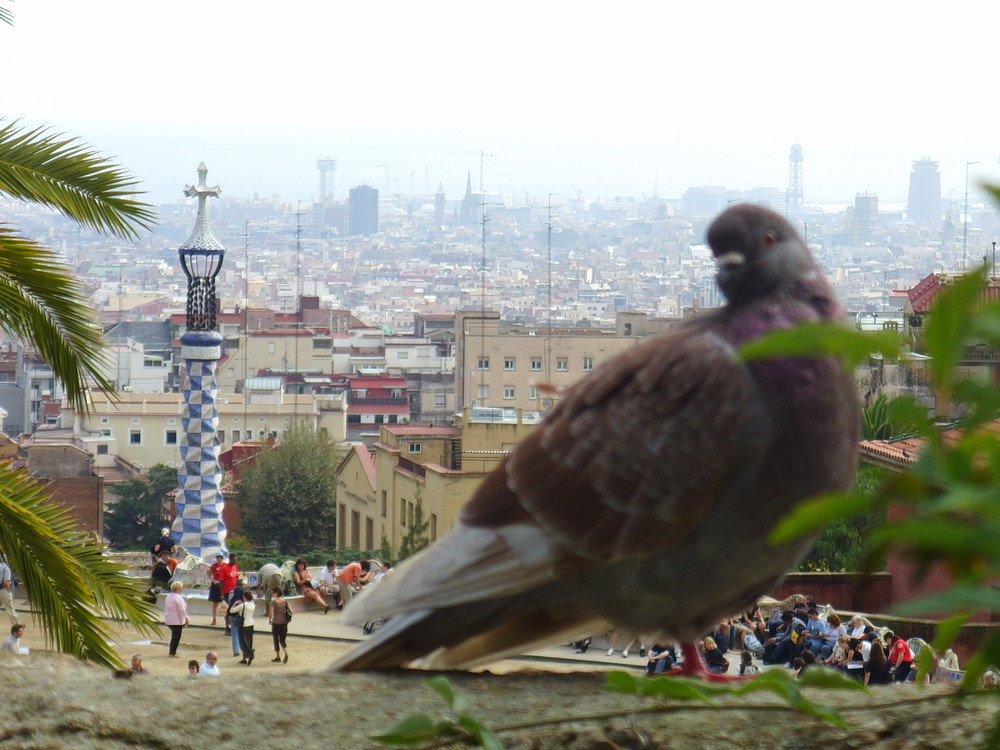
(769, 238)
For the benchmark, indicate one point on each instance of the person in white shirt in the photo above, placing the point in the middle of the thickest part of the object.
(12, 642)
(245, 609)
(211, 666)
(328, 581)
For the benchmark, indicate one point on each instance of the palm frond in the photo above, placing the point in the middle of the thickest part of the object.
(44, 167)
(42, 303)
(6, 16)
(71, 585)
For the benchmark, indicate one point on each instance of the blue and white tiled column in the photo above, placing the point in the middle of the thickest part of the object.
(198, 526)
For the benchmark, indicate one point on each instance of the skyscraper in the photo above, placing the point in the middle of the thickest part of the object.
(924, 203)
(362, 215)
(793, 196)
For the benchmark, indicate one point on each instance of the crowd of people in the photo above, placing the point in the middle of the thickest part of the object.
(235, 604)
(797, 638)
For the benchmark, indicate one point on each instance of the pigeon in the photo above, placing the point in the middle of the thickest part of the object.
(644, 500)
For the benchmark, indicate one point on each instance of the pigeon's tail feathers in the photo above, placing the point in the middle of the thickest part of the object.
(462, 638)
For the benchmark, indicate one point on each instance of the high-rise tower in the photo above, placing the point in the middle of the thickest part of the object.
(793, 196)
(326, 167)
(924, 202)
(439, 207)
(362, 207)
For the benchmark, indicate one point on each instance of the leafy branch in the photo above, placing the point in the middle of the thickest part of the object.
(671, 695)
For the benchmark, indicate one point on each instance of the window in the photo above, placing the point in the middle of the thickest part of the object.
(484, 392)
(102, 449)
(105, 420)
(509, 392)
(562, 364)
(402, 355)
(271, 348)
(171, 437)
(588, 363)
(536, 364)
(135, 437)
(409, 514)
(439, 401)
(396, 392)
(533, 392)
(628, 329)
(322, 343)
(415, 448)
(248, 435)
(402, 512)
(510, 363)
(221, 435)
(434, 526)
(483, 363)
(385, 504)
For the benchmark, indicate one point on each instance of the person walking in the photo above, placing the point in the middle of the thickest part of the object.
(277, 615)
(245, 610)
(175, 615)
(7, 591)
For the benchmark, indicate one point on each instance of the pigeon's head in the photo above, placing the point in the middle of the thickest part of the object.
(757, 252)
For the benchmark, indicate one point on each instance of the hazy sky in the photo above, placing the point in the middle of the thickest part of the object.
(604, 99)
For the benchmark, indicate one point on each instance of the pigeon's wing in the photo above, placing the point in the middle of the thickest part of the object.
(639, 453)
(632, 459)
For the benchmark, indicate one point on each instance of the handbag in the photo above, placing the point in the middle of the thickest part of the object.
(288, 613)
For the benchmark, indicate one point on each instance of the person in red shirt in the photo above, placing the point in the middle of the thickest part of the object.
(229, 575)
(215, 589)
(900, 656)
(350, 579)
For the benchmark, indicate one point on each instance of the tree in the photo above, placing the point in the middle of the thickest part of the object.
(71, 582)
(838, 548)
(289, 495)
(135, 520)
(415, 538)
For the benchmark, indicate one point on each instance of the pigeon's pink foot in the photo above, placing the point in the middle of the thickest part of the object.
(695, 667)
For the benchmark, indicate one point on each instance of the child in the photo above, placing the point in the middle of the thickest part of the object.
(747, 667)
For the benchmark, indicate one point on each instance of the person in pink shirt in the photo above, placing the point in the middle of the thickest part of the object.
(175, 615)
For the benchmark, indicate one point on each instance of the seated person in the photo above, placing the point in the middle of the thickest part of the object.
(159, 577)
(662, 660)
(303, 581)
(368, 575)
(328, 582)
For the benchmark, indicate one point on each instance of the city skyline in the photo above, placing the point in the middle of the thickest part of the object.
(640, 101)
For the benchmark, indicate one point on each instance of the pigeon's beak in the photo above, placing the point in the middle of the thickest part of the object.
(730, 259)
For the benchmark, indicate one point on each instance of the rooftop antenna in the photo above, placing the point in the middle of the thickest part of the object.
(548, 333)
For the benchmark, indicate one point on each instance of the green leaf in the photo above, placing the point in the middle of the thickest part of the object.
(623, 683)
(682, 688)
(829, 679)
(412, 730)
(949, 325)
(483, 735)
(822, 339)
(816, 514)
(456, 700)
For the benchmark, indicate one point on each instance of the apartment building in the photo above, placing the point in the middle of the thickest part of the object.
(522, 367)
(378, 489)
(145, 429)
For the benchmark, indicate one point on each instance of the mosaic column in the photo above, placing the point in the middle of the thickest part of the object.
(198, 526)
